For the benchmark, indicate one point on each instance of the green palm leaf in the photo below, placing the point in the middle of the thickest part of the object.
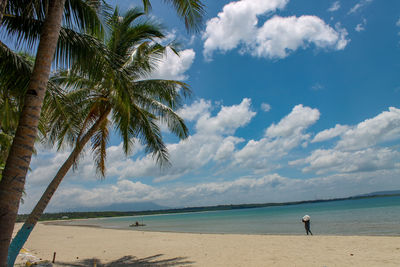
(191, 11)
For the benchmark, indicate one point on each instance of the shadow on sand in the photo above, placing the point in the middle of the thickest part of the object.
(130, 261)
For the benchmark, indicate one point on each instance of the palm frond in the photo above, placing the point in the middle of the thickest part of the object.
(146, 5)
(73, 47)
(143, 127)
(15, 70)
(85, 15)
(138, 105)
(64, 113)
(168, 92)
(88, 16)
(192, 12)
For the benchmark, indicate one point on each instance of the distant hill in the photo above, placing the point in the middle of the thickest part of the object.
(150, 206)
(380, 193)
(136, 206)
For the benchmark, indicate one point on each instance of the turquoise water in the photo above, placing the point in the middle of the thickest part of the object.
(374, 216)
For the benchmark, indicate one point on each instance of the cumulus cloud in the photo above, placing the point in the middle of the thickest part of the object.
(265, 107)
(212, 141)
(249, 189)
(361, 26)
(46, 164)
(330, 133)
(236, 23)
(299, 119)
(237, 26)
(225, 151)
(228, 119)
(173, 67)
(195, 110)
(382, 128)
(334, 7)
(220, 171)
(333, 160)
(279, 140)
(357, 149)
(123, 191)
(279, 36)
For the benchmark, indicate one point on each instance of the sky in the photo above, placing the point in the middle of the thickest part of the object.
(292, 100)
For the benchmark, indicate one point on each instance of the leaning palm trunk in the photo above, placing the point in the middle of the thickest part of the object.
(26, 229)
(13, 181)
(3, 4)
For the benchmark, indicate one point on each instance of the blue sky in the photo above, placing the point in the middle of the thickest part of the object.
(293, 100)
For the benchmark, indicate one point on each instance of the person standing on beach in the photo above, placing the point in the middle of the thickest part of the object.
(306, 221)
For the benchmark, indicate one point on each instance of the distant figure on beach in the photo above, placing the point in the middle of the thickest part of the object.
(306, 221)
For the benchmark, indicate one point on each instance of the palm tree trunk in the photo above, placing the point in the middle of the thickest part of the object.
(23, 234)
(13, 181)
(3, 4)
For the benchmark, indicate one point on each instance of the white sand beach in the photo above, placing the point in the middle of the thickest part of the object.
(81, 246)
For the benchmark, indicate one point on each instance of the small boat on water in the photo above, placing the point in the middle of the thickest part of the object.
(136, 224)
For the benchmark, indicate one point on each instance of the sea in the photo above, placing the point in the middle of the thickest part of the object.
(368, 216)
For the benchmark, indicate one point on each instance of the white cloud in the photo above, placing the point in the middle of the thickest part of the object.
(45, 167)
(212, 141)
(173, 67)
(334, 7)
(331, 160)
(195, 110)
(279, 36)
(330, 133)
(227, 120)
(279, 140)
(225, 151)
(298, 120)
(276, 188)
(265, 107)
(357, 149)
(123, 191)
(236, 23)
(247, 189)
(361, 26)
(237, 26)
(382, 128)
(359, 5)
(219, 171)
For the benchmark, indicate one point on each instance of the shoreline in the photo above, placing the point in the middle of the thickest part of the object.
(62, 223)
(80, 246)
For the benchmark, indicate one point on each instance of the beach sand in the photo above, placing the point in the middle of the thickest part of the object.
(80, 246)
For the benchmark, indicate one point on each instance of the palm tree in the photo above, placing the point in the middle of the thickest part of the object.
(31, 17)
(3, 4)
(10, 102)
(121, 97)
(17, 164)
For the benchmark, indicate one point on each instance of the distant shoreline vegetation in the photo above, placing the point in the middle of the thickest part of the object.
(103, 214)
